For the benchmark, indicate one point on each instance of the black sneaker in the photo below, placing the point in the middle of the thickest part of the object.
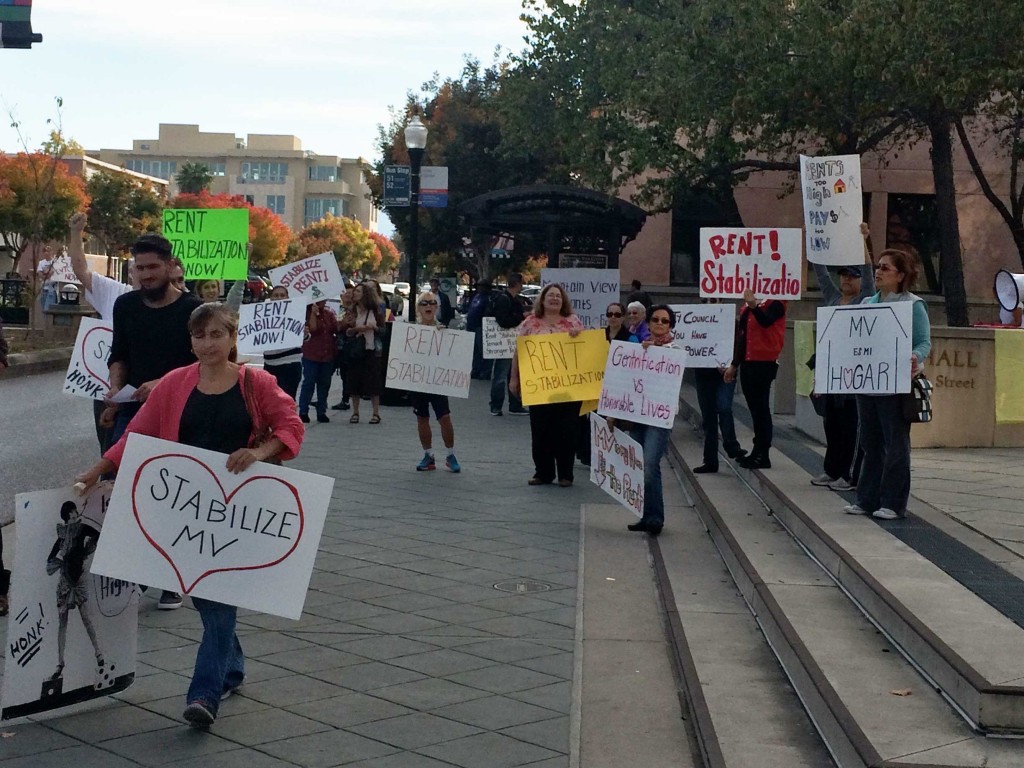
(519, 411)
(169, 601)
(323, 419)
(342, 406)
(304, 417)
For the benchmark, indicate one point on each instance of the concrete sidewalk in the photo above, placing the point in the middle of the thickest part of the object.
(407, 653)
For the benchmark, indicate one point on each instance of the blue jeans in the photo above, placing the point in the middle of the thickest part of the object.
(317, 375)
(499, 380)
(885, 438)
(654, 441)
(220, 665)
(715, 398)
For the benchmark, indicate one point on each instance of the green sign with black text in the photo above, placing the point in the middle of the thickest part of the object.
(211, 243)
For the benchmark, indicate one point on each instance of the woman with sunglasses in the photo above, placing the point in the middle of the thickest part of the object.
(615, 329)
(654, 439)
(884, 484)
(422, 402)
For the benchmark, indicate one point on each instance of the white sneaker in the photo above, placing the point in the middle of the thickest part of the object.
(884, 513)
(822, 479)
(841, 485)
(854, 509)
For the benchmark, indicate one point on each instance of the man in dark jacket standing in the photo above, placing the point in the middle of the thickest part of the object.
(508, 310)
(475, 323)
(445, 313)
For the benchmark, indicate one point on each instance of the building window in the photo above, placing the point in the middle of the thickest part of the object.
(276, 204)
(692, 211)
(912, 226)
(323, 173)
(161, 169)
(216, 169)
(317, 208)
(250, 200)
(264, 173)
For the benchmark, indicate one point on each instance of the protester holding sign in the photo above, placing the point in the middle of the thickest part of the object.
(508, 311)
(714, 397)
(840, 417)
(884, 484)
(285, 365)
(364, 371)
(422, 402)
(318, 360)
(218, 405)
(760, 333)
(654, 439)
(553, 426)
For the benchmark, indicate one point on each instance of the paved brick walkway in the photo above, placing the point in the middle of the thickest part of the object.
(406, 654)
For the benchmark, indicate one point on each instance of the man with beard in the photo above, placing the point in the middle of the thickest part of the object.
(151, 337)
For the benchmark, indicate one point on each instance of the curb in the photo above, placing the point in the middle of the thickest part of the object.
(44, 361)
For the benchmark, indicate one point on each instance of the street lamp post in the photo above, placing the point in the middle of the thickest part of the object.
(415, 142)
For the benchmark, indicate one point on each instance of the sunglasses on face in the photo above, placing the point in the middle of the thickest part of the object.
(660, 320)
(428, 303)
(613, 314)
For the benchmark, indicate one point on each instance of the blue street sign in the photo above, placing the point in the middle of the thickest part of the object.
(397, 185)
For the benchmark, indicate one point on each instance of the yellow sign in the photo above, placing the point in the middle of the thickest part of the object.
(557, 368)
(1009, 375)
(587, 406)
(803, 348)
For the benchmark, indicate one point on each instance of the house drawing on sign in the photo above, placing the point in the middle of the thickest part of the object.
(839, 187)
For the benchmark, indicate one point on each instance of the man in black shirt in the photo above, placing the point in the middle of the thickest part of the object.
(151, 338)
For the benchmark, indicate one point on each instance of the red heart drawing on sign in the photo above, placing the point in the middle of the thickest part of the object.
(205, 474)
(105, 378)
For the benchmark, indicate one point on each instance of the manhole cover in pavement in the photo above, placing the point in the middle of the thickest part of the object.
(522, 586)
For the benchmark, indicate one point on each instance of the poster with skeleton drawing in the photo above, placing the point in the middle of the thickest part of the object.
(71, 634)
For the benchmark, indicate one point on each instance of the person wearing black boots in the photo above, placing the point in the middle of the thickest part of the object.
(760, 333)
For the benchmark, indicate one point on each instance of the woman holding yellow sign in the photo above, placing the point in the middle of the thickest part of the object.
(552, 425)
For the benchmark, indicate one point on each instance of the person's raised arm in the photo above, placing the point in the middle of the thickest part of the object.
(76, 230)
(867, 279)
(829, 291)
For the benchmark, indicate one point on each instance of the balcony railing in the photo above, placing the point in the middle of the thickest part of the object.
(242, 179)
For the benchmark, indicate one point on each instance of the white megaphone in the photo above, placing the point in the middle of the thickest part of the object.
(1009, 289)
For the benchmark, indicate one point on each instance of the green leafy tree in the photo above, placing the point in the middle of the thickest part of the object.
(121, 208)
(672, 97)
(193, 178)
(466, 120)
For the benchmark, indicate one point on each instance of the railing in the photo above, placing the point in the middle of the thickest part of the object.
(268, 180)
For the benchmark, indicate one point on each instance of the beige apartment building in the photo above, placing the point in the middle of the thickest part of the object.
(268, 170)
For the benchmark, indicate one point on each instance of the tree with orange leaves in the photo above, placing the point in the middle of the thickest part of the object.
(37, 197)
(388, 254)
(269, 235)
(346, 238)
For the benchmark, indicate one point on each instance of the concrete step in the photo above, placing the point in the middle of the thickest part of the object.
(961, 644)
(870, 706)
(742, 710)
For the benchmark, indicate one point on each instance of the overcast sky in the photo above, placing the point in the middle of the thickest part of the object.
(323, 70)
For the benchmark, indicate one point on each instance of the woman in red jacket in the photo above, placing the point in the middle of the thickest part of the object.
(221, 406)
(760, 331)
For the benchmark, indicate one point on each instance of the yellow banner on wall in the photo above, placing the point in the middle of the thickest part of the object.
(1009, 375)
(803, 348)
(557, 368)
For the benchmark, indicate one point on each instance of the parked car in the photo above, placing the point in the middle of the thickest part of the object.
(257, 288)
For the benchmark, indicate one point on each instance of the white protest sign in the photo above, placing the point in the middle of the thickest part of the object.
(271, 325)
(706, 332)
(864, 349)
(498, 343)
(87, 374)
(642, 385)
(833, 209)
(180, 521)
(590, 290)
(617, 464)
(313, 279)
(766, 261)
(429, 359)
(61, 271)
(61, 612)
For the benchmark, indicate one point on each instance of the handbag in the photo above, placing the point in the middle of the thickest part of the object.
(917, 403)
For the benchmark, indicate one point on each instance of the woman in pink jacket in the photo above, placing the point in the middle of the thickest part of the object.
(221, 406)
